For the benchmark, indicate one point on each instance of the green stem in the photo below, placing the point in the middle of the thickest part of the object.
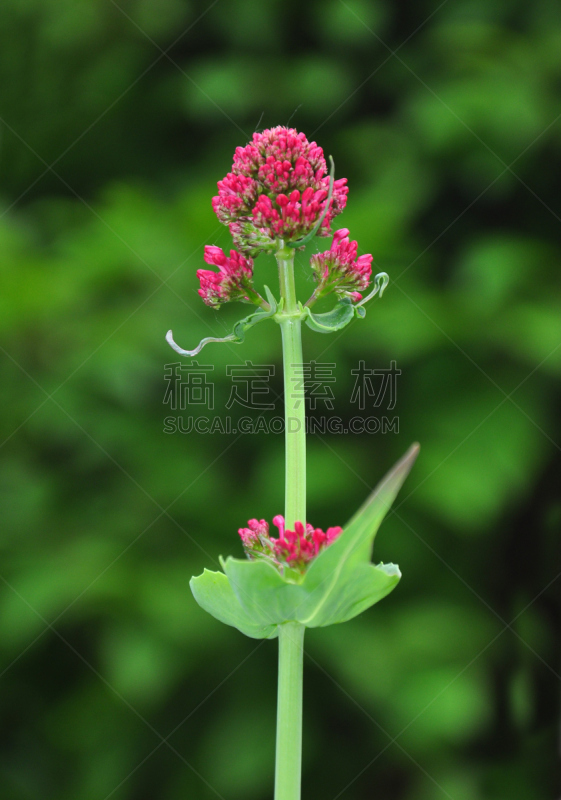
(289, 712)
(290, 320)
(288, 766)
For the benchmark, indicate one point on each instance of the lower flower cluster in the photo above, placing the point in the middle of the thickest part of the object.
(293, 549)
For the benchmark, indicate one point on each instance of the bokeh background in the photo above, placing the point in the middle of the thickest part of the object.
(118, 117)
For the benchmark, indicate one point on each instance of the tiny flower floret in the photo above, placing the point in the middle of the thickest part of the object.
(277, 189)
(233, 281)
(256, 535)
(294, 549)
(341, 269)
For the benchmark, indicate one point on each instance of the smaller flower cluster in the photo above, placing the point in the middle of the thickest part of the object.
(341, 269)
(293, 549)
(233, 281)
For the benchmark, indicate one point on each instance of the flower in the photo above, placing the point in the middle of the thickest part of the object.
(339, 269)
(256, 535)
(232, 282)
(293, 549)
(277, 189)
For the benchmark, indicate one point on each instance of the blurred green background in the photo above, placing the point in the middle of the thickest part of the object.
(118, 117)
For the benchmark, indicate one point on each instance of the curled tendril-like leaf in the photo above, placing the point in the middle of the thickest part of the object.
(199, 347)
(238, 334)
(381, 281)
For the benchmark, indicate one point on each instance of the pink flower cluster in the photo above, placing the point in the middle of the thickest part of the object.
(340, 269)
(277, 190)
(231, 282)
(292, 548)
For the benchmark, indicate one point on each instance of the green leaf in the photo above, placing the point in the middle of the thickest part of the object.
(213, 592)
(238, 334)
(345, 310)
(339, 584)
(333, 320)
(245, 324)
(329, 573)
(263, 592)
(367, 584)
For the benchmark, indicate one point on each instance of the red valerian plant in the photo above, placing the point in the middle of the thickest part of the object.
(278, 196)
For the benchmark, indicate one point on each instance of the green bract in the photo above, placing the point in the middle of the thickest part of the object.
(345, 310)
(339, 317)
(339, 584)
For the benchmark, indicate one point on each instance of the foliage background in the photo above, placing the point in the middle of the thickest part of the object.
(118, 117)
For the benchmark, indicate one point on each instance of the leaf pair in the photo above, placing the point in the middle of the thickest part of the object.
(339, 584)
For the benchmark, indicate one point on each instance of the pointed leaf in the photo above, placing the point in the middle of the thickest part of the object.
(331, 570)
(272, 299)
(213, 592)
